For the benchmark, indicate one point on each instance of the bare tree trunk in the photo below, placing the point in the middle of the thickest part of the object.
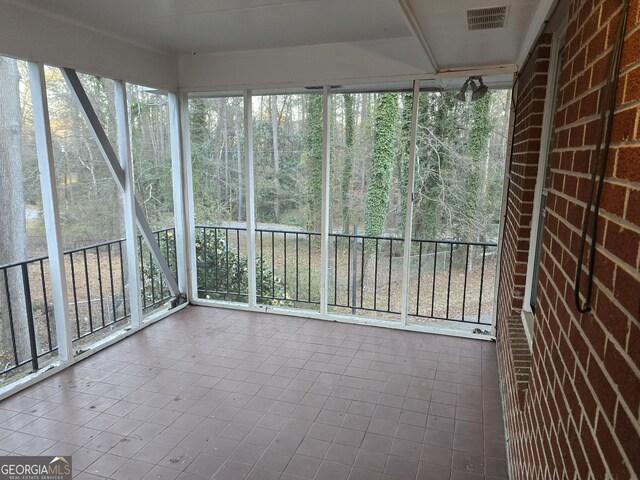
(225, 142)
(273, 104)
(12, 212)
(238, 133)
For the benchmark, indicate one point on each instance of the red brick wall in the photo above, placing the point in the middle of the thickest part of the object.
(580, 416)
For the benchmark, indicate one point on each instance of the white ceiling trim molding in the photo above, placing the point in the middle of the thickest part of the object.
(328, 64)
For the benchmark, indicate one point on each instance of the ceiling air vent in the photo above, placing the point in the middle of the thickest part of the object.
(486, 18)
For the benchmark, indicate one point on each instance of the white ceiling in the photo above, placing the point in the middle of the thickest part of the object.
(341, 40)
(214, 26)
(208, 26)
(444, 25)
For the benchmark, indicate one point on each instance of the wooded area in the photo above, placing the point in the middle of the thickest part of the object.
(459, 165)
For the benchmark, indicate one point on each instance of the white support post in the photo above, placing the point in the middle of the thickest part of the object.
(408, 223)
(190, 275)
(250, 197)
(181, 229)
(50, 210)
(126, 163)
(324, 223)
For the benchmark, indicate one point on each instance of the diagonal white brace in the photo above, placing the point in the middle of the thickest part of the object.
(110, 156)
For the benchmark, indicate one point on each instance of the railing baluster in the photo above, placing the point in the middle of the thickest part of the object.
(75, 294)
(273, 266)
(166, 250)
(335, 272)
(174, 249)
(113, 294)
(375, 280)
(297, 265)
(160, 274)
(142, 274)
(484, 252)
(29, 310)
(309, 272)
(10, 312)
(215, 261)
(204, 265)
(433, 283)
(124, 296)
(390, 268)
(152, 276)
(261, 265)
(464, 288)
(348, 270)
(86, 277)
(285, 264)
(362, 275)
(46, 304)
(226, 242)
(238, 272)
(449, 280)
(100, 283)
(419, 277)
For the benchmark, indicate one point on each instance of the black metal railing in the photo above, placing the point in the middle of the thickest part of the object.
(455, 277)
(284, 265)
(449, 280)
(97, 289)
(26, 335)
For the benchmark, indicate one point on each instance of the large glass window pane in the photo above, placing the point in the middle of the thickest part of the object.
(369, 158)
(457, 195)
(25, 284)
(217, 159)
(287, 157)
(91, 211)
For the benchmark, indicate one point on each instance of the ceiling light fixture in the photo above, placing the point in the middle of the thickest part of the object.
(480, 91)
(477, 91)
(462, 94)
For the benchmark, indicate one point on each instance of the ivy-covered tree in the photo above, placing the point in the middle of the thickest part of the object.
(384, 149)
(347, 166)
(313, 160)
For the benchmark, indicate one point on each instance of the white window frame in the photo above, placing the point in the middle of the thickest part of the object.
(537, 227)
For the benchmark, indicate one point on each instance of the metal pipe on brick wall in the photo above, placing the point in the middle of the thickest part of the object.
(597, 174)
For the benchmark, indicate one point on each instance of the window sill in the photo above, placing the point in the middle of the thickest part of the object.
(527, 323)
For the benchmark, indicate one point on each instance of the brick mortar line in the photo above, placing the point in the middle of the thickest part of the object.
(579, 123)
(628, 68)
(631, 143)
(629, 269)
(621, 182)
(631, 31)
(611, 217)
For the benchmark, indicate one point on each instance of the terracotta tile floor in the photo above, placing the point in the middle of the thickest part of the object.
(212, 393)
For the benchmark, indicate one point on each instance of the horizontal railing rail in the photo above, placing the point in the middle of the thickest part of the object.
(97, 290)
(450, 279)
